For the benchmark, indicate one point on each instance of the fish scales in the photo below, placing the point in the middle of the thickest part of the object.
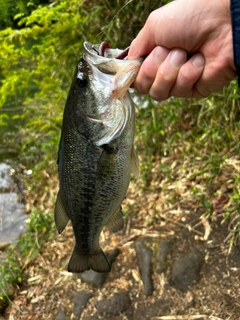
(96, 155)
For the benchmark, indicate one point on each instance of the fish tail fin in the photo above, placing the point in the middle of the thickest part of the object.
(96, 261)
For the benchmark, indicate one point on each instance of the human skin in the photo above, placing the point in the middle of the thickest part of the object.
(188, 48)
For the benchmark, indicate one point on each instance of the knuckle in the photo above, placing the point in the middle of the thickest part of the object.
(185, 79)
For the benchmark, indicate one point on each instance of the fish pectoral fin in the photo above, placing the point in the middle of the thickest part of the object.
(116, 222)
(60, 216)
(82, 262)
(134, 163)
(106, 166)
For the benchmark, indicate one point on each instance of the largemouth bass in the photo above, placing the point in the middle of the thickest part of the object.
(96, 154)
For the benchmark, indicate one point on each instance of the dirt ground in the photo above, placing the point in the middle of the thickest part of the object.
(216, 294)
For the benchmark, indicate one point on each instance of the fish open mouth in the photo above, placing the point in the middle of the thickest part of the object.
(104, 50)
(112, 61)
(112, 75)
(104, 45)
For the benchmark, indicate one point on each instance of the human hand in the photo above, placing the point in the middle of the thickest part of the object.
(199, 30)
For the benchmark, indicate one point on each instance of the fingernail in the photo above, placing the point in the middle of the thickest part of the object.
(177, 58)
(198, 60)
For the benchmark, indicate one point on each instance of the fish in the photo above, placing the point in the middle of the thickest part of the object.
(96, 155)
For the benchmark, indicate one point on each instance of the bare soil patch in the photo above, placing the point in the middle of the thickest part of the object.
(215, 295)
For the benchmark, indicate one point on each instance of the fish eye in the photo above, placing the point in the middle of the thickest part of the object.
(81, 80)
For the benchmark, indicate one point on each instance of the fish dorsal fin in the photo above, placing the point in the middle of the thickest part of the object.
(60, 215)
(134, 163)
(116, 222)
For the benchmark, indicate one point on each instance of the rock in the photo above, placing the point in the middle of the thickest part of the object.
(119, 302)
(80, 301)
(93, 278)
(186, 269)
(13, 218)
(12, 214)
(97, 279)
(6, 180)
(144, 257)
(112, 255)
(165, 248)
(61, 316)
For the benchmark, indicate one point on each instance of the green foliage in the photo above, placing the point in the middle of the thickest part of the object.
(11, 11)
(11, 275)
(24, 252)
(41, 55)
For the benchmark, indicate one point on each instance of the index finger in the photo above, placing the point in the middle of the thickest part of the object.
(145, 42)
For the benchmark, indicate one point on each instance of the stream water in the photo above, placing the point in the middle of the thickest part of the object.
(12, 212)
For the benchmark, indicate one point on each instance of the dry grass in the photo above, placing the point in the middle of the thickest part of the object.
(149, 212)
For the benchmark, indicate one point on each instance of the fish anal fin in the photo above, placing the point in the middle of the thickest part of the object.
(134, 163)
(60, 215)
(116, 222)
(82, 262)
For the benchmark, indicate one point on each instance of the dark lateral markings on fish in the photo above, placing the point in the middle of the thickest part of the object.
(96, 155)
